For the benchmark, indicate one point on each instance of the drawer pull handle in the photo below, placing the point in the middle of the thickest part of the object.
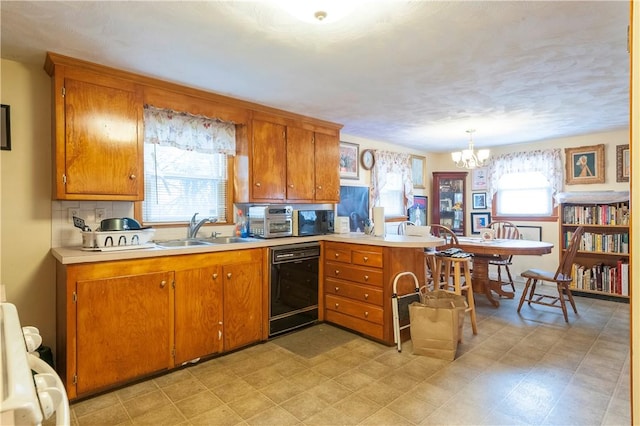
(365, 258)
(229, 275)
(337, 289)
(258, 184)
(337, 271)
(319, 186)
(163, 283)
(366, 314)
(337, 255)
(290, 185)
(214, 276)
(366, 277)
(366, 295)
(132, 177)
(337, 305)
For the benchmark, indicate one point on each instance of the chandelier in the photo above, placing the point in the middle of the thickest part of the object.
(467, 158)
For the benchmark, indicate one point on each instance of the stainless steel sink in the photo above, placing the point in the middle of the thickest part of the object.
(183, 243)
(226, 240)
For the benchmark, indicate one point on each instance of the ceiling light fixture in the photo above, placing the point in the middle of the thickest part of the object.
(319, 11)
(467, 158)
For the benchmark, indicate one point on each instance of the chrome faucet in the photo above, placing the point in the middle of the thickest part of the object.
(194, 226)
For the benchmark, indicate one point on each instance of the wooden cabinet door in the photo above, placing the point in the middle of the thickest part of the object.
(124, 329)
(300, 164)
(268, 161)
(242, 304)
(198, 313)
(103, 143)
(327, 175)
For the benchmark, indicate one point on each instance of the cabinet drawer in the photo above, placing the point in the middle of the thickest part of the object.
(358, 292)
(361, 326)
(372, 259)
(364, 311)
(356, 274)
(338, 253)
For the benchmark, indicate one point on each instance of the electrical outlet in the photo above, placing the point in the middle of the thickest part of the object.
(71, 212)
(101, 213)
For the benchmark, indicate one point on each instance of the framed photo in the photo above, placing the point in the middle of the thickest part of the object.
(445, 205)
(479, 221)
(531, 233)
(479, 179)
(623, 163)
(417, 213)
(585, 164)
(447, 221)
(354, 203)
(418, 171)
(349, 154)
(5, 127)
(479, 200)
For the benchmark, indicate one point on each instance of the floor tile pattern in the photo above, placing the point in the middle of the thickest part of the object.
(527, 369)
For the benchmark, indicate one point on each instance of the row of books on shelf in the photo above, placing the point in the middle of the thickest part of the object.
(604, 214)
(605, 278)
(601, 242)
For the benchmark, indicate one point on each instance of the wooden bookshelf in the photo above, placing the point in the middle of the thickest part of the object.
(601, 266)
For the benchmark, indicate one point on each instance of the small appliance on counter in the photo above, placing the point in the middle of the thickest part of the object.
(313, 222)
(271, 221)
(342, 225)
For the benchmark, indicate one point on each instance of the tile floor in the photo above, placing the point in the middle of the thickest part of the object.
(519, 370)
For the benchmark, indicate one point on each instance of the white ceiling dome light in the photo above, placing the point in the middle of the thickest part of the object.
(319, 11)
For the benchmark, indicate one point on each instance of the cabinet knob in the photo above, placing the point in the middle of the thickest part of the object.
(337, 289)
(337, 255)
(132, 177)
(214, 276)
(163, 283)
(258, 184)
(337, 272)
(229, 275)
(365, 258)
(366, 314)
(319, 186)
(290, 185)
(366, 277)
(337, 305)
(366, 296)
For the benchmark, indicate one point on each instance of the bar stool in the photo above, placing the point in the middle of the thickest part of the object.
(452, 269)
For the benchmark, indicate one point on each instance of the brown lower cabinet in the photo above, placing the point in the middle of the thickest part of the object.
(122, 320)
(358, 283)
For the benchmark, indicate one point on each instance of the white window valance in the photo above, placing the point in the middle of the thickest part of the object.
(548, 162)
(189, 132)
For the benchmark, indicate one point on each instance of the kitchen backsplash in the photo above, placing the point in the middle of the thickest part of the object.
(64, 234)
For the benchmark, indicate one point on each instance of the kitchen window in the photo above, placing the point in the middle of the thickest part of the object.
(186, 163)
(391, 183)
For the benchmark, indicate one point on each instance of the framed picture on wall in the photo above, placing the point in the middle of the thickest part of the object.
(349, 155)
(417, 213)
(479, 200)
(585, 164)
(479, 221)
(479, 179)
(418, 166)
(531, 233)
(623, 163)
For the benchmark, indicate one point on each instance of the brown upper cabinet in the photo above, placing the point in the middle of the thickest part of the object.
(290, 161)
(98, 138)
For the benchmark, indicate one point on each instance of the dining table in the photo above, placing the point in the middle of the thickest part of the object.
(484, 250)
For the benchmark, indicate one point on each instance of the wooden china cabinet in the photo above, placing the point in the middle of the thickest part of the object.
(448, 198)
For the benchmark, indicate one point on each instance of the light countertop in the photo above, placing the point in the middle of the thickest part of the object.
(71, 255)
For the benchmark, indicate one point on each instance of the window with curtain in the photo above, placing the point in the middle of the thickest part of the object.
(391, 183)
(185, 166)
(524, 183)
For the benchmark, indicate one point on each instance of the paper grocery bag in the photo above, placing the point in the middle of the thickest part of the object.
(435, 331)
(445, 299)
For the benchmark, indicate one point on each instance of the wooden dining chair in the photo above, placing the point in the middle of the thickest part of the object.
(562, 277)
(402, 227)
(504, 230)
(450, 240)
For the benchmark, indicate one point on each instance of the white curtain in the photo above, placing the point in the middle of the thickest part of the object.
(547, 162)
(189, 132)
(391, 162)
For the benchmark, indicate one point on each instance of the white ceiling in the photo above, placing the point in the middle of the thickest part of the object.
(417, 74)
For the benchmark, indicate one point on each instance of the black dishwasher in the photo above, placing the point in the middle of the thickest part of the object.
(293, 286)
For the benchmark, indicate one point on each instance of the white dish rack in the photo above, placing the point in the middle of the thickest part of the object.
(109, 239)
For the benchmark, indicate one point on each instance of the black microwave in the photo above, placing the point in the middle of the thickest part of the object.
(313, 222)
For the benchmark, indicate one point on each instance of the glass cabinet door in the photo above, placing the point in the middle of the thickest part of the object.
(448, 200)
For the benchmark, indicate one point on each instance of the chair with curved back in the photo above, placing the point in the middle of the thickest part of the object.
(562, 277)
(504, 230)
(402, 226)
